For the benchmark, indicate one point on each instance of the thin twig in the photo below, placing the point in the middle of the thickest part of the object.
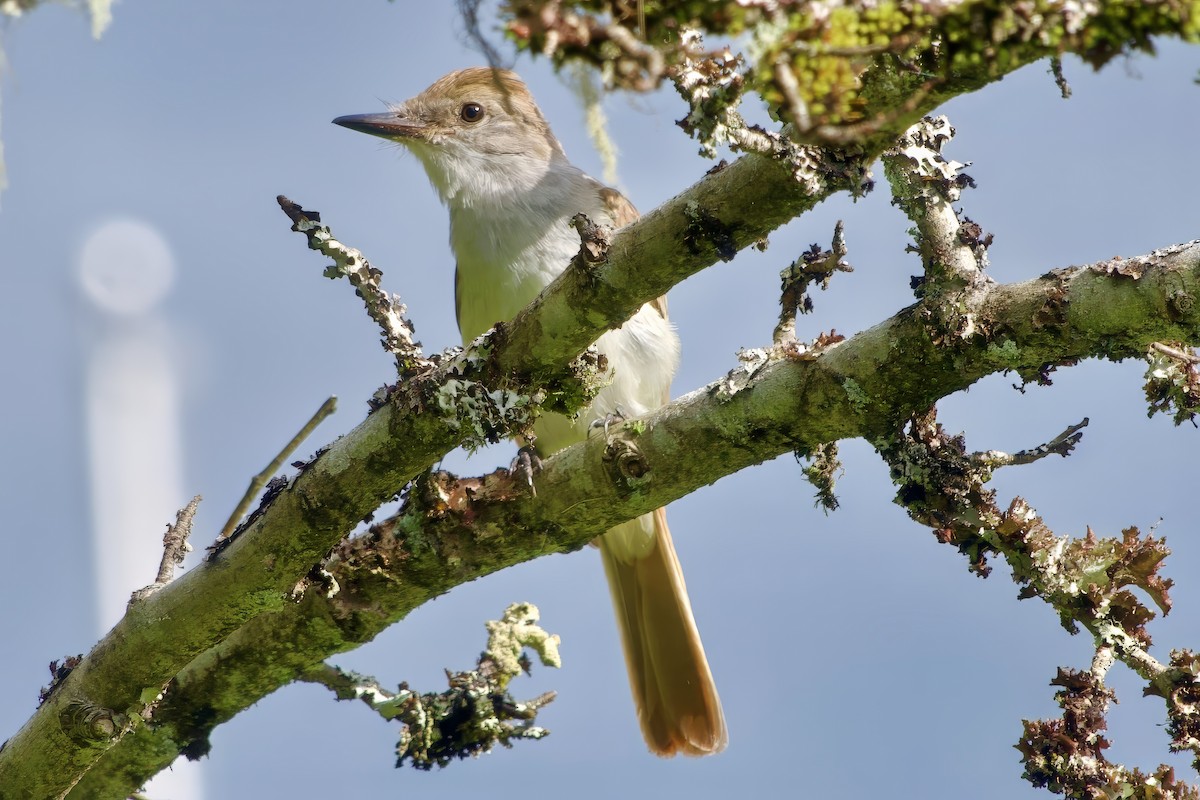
(469, 10)
(1062, 444)
(813, 265)
(476, 712)
(260, 480)
(396, 330)
(353, 686)
(785, 79)
(175, 549)
(1056, 68)
(1175, 353)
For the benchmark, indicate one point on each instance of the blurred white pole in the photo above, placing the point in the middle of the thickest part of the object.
(131, 400)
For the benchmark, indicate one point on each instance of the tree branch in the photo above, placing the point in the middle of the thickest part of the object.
(519, 367)
(856, 77)
(484, 394)
(476, 713)
(452, 531)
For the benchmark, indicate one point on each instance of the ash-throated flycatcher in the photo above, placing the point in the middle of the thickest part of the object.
(511, 193)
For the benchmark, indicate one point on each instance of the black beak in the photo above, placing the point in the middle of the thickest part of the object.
(389, 126)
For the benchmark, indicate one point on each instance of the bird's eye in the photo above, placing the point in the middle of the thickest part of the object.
(471, 112)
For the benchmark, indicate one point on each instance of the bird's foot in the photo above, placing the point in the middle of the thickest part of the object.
(527, 464)
(614, 417)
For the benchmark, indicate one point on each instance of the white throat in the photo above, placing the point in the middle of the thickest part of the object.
(509, 226)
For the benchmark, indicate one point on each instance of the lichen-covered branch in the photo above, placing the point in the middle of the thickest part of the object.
(726, 211)
(451, 530)
(1062, 444)
(840, 73)
(492, 390)
(853, 75)
(472, 716)
(175, 549)
(813, 266)
(386, 309)
(1066, 755)
(1052, 320)
(926, 185)
(1173, 379)
(1087, 582)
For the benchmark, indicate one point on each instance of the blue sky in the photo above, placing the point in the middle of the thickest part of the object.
(855, 656)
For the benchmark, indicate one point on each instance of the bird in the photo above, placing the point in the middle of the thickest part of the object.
(511, 192)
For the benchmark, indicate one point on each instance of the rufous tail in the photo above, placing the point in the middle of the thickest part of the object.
(673, 689)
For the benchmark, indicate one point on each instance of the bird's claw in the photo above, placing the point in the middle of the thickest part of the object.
(527, 464)
(614, 417)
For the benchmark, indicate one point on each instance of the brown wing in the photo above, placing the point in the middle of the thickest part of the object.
(623, 213)
(618, 207)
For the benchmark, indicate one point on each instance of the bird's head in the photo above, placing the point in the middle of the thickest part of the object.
(476, 131)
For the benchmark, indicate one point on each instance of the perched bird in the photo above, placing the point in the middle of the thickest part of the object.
(511, 193)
